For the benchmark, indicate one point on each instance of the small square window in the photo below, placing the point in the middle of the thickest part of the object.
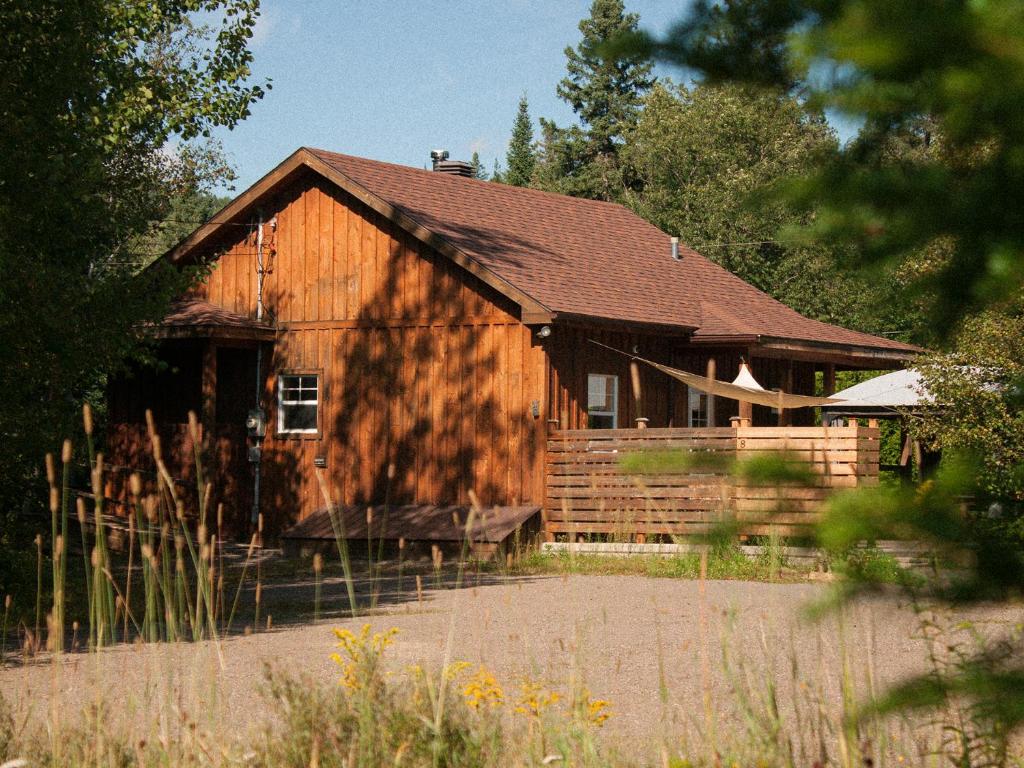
(298, 404)
(602, 401)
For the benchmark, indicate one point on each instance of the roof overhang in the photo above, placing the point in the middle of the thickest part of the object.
(632, 326)
(303, 158)
(211, 332)
(851, 355)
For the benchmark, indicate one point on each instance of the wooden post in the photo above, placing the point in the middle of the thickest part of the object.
(711, 397)
(830, 379)
(786, 416)
(641, 422)
(746, 410)
(634, 378)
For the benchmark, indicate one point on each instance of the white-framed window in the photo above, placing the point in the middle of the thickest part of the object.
(298, 404)
(602, 401)
(697, 408)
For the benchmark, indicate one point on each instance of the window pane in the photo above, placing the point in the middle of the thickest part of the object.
(298, 417)
(298, 402)
(600, 421)
(601, 392)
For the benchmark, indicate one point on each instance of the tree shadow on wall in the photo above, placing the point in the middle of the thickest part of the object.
(428, 389)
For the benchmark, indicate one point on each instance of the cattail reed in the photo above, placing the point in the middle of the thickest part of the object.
(3, 637)
(259, 567)
(340, 538)
(437, 558)
(401, 556)
(179, 585)
(39, 581)
(88, 426)
(241, 581)
(369, 541)
(80, 509)
(259, 597)
(318, 566)
(55, 640)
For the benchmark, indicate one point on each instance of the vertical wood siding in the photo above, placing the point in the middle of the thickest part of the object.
(423, 366)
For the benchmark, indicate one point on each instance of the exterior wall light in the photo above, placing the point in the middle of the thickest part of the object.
(544, 332)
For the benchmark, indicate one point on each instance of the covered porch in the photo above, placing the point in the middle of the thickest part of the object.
(209, 362)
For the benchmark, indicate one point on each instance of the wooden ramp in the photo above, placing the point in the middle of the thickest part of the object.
(421, 526)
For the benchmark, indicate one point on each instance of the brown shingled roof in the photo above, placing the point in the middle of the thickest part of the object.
(589, 258)
(563, 256)
(192, 316)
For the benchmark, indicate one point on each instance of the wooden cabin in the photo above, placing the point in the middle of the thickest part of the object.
(415, 334)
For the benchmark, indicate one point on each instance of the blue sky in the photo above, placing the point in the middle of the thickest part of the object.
(393, 80)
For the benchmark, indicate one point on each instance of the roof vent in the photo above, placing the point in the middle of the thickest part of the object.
(438, 156)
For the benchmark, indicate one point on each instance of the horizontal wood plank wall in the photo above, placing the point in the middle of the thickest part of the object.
(425, 369)
(590, 491)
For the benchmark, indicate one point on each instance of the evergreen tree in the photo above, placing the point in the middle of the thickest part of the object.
(606, 93)
(520, 158)
(478, 167)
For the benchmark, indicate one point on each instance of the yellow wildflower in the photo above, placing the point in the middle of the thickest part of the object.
(534, 699)
(361, 654)
(598, 710)
(483, 689)
(455, 669)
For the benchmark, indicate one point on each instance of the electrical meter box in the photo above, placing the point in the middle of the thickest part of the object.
(256, 423)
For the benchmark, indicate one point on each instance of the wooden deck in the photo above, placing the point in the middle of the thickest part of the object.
(617, 483)
(494, 528)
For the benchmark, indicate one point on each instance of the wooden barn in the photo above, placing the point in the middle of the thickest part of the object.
(416, 335)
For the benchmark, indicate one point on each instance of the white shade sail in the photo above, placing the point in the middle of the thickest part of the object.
(744, 388)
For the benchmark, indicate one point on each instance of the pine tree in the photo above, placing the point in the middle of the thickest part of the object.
(606, 93)
(520, 158)
(478, 167)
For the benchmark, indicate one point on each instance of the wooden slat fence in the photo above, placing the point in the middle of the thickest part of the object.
(621, 483)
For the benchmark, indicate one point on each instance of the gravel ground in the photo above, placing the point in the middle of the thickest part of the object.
(626, 636)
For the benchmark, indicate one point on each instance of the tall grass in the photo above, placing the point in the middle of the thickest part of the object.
(174, 589)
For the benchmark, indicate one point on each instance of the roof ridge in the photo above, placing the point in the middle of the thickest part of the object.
(434, 175)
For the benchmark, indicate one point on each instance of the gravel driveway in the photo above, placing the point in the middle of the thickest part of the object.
(626, 636)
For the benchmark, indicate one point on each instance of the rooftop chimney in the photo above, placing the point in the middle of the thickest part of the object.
(675, 249)
(438, 156)
(441, 164)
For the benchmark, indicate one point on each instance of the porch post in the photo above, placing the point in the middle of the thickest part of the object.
(830, 379)
(746, 410)
(785, 415)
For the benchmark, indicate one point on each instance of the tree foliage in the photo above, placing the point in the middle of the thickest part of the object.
(897, 67)
(520, 159)
(701, 157)
(888, 65)
(978, 404)
(479, 172)
(606, 94)
(106, 105)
